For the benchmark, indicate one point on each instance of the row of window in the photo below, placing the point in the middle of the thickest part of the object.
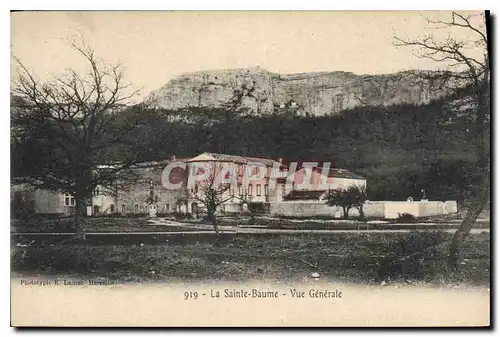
(240, 170)
(258, 190)
(142, 208)
(243, 191)
(70, 201)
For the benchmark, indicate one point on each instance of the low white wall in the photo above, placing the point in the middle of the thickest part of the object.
(394, 208)
(372, 209)
(450, 207)
(431, 208)
(302, 208)
(230, 208)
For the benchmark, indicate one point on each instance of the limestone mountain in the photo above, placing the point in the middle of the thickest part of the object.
(261, 92)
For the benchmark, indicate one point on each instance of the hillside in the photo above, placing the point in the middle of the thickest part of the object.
(261, 92)
(400, 148)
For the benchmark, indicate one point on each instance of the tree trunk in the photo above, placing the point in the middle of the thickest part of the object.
(361, 213)
(346, 212)
(213, 219)
(80, 212)
(482, 194)
(469, 221)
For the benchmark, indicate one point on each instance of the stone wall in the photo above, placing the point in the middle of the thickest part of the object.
(25, 199)
(49, 202)
(450, 207)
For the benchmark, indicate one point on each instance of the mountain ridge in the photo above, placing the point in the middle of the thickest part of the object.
(259, 91)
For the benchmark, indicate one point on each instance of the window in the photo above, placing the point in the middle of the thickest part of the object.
(232, 191)
(283, 189)
(124, 210)
(95, 192)
(240, 191)
(136, 208)
(69, 200)
(250, 190)
(167, 207)
(112, 208)
(266, 189)
(258, 190)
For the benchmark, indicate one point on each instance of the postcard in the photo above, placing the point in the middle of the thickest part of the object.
(250, 169)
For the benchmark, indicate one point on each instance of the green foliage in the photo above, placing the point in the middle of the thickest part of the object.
(406, 218)
(353, 196)
(399, 149)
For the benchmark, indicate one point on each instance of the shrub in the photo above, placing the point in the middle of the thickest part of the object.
(406, 218)
(182, 216)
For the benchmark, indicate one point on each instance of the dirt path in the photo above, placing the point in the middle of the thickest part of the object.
(252, 231)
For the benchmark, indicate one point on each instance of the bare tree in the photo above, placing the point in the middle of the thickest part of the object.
(211, 193)
(473, 73)
(76, 119)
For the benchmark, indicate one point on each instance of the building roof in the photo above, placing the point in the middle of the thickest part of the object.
(208, 156)
(303, 195)
(340, 173)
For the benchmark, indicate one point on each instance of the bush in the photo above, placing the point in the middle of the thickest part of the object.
(182, 216)
(406, 218)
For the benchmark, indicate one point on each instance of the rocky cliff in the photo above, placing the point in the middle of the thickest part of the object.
(259, 91)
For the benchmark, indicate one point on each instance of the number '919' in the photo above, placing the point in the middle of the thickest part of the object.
(190, 295)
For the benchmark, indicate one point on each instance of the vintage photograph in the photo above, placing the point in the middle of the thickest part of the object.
(253, 168)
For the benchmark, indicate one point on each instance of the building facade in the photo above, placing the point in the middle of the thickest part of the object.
(247, 180)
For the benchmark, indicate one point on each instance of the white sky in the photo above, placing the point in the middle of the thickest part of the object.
(157, 46)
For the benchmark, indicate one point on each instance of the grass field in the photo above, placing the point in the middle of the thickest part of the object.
(39, 224)
(104, 224)
(412, 258)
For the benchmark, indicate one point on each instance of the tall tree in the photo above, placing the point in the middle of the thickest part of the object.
(75, 121)
(471, 72)
(210, 192)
